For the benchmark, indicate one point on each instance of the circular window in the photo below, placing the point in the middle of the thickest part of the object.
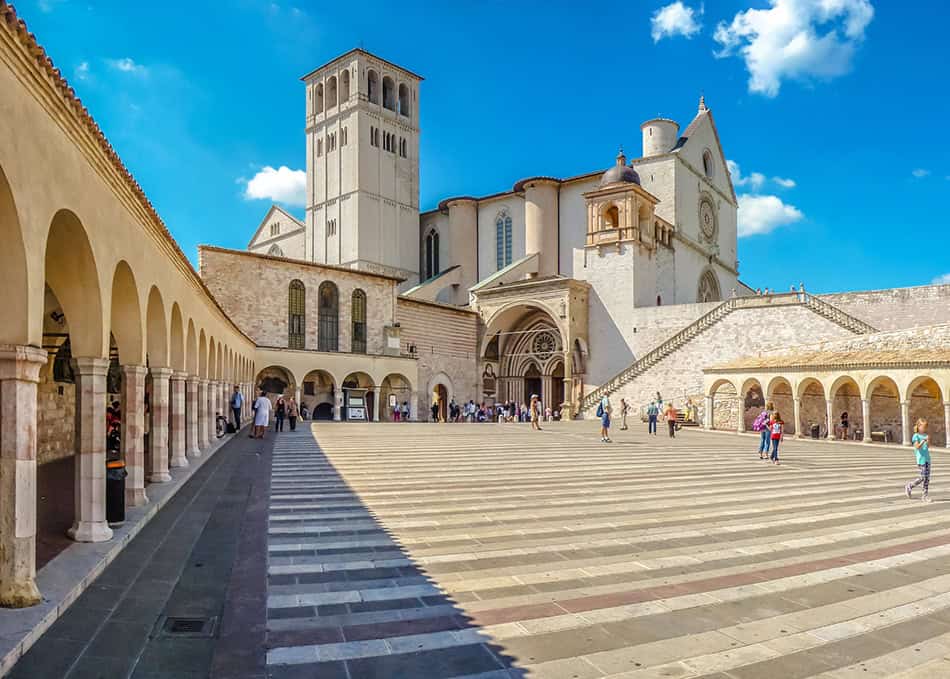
(707, 219)
(709, 167)
(544, 344)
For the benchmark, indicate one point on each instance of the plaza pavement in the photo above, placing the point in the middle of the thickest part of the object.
(491, 551)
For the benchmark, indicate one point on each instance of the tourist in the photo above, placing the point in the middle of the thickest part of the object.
(262, 408)
(292, 413)
(921, 443)
(435, 411)
(653, 413)
(776, 433)
(535, 412)
(624, 411)
(547, 414)
(237, 402)
(405, 411)
(453, 411)
(603, 412)
(304, 413)
(670, 416)
(761, 425)
(395, 411)
(220, 424)
(280, 411)
(845, 424)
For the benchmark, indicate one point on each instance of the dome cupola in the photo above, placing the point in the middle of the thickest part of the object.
(621, 173)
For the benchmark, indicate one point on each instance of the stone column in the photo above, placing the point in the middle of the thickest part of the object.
(946, 424)
(133, 433)
(337, 404)
(708, 415)
(375, 404)
(797, 403)
(158, 434)
(829, 408)
(202, 408)
(905, 423)
(414, 406)
(866, 419)
(213, 394)
(191, 417)
(740, 420)
(89, 521)
(20, 368)
(177, 433)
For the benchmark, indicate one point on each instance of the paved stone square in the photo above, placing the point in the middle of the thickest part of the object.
(491, 551)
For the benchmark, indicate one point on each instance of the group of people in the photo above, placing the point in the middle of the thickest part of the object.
(766, 291)
(509, 411)
(654, 411)
(771, 430)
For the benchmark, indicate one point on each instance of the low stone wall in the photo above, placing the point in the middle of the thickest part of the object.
(896, 308)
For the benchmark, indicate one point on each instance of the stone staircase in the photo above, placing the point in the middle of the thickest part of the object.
(704, 322)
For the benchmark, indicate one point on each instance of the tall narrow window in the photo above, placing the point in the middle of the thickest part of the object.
(331, 92)
(372, 86)
(344, 86)
(320, 98)
(403, 100)
(503, 240)
(358, 311)
(328, 316)
(432, 254)
(296, 307)
(389, 93)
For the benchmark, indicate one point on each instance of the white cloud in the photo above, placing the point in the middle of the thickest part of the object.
(784, 182)
(282, 185)
(763, 214)
(798, 39)
(754, 180)
(127, 65)
(675, 19)
(941, 280)
(82, 71)
(920, 173)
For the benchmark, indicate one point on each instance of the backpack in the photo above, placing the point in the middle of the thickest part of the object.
(600, 409)
(761, 421)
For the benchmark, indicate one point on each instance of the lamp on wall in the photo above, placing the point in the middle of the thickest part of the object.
(58, 317)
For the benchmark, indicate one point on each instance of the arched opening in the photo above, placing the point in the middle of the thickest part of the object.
(126, 316)
(328, 317)
(432, 254)
(438, 409)
(556, 398)
(846, 406)
(319, 98)
(296, 314)
(395, 393)
(709, 167)
(389, 93)
(725, 406)
(780, 394)
(177, 339)
(612, 217)
(317, 396)
(275, 251)
(502, 240)
(275, 381)
(532, 382)
(404, 107)
(331, 91)
(753, 402)
(191, 349)
(358, 321)
(358, 397)
(13, 274)
(813, 410)
(372, 89)
(344, 86)
(708, 288)
(925, 400)
(884, 410)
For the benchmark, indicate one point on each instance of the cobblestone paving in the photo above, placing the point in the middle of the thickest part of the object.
(492, 551)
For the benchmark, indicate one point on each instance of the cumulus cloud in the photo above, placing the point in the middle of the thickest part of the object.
(919, 172)
(127, 65)
(281, 185)
(754, 180)
(941, 280)
(763, 214)
(797, 39)
(675, 19)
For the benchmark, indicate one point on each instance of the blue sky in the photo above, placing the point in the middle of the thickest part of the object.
(850, 105)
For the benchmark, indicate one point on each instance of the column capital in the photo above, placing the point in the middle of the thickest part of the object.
(136, 370)
(179, 375)
(192, 379)
(161, 373)
(203, 381)
(21, 362)
(87, 365)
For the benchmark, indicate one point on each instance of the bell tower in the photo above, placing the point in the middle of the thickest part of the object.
(363, 165)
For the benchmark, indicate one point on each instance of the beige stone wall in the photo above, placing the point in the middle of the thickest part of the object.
(896, 308)
(55, 420)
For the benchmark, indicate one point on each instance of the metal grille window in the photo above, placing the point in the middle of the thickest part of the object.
(328, 312)
(358, 308)
(432, 254)
(503, 240)
(296, 308)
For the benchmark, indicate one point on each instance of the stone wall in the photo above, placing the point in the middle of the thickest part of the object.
(896, 308)
(654, 325)
(921, 337)
(55, 420)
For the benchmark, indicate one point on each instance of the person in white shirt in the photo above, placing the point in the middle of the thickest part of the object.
(262, 408)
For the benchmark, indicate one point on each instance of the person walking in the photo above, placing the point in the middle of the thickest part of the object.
(292, 413)
(396, 411)
(405, 411)
(280, 412)
(653, 412)
(921, 443)
(624, 411)
(237, 402)
(435, 411)
(776, 434)
(761, 425)
(262, 408)
(670, 416)
(845, 424)
(535, 410)
(603, 412)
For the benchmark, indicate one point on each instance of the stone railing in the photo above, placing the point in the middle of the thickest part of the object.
(833, 313)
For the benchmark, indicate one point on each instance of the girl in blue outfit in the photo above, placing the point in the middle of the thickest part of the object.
(604, 412)
(921, 443)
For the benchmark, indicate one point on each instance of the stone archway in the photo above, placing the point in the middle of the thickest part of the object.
(925, 401)
(884, 410)
(726, 406)
(708, 289)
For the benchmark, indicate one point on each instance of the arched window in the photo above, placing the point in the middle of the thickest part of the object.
(331, 91)
(296, 307)
(358, 312)
(503, 240)
(432, 254)
(389, 93)
(372, 86)
(320, 98)
(612, 218)
(708, 290)
(376, 136)
(403, 100)
(709, 167)
(275, 251)
(328, 316)
(344, 86)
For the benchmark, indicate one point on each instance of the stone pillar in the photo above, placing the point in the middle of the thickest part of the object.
(133, 433)
(20, 368)
(541, 223)
(191, 416)
(375, 404)
(708, 415)
(797, 403)
(946, 424)
(89, 521)
(414, 406)
(337, 404)
(866, 419)
(829, 408)
(158, 433)
(202, 408)
(905, 423)
(740, 419)
(177, 419)
(212, 410)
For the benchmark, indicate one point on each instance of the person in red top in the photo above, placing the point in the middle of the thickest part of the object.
(777, 433)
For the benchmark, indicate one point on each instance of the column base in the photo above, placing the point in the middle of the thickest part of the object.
(178, 462)
(194, 452)
(161, 477)
(90, 531)
(135, 497)
(19, 594)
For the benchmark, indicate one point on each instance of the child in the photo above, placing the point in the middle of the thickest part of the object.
(921, 443)
(777, 429)
(761, 425)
